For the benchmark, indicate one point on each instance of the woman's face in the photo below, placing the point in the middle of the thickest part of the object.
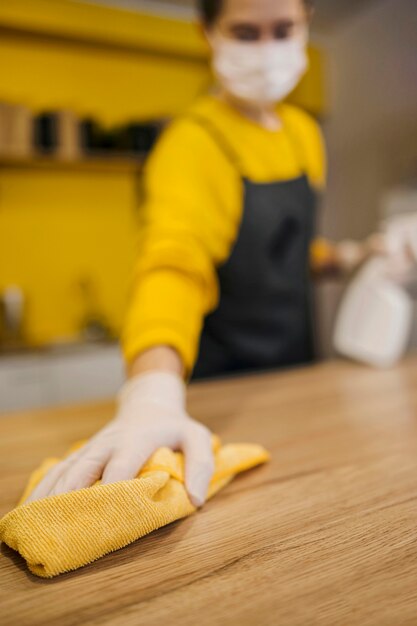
(259, 48)
(260, 20)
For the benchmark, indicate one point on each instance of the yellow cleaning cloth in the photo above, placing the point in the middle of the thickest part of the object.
(60, 533)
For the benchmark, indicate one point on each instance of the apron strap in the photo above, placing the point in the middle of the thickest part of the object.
(218, 138)
(299, 150)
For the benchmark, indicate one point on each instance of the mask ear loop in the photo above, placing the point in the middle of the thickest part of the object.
(298, 151)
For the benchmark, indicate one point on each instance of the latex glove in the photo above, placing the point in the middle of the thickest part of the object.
(151, 413)
(350, 254)
(397, 241)
(344, 256)
(400, 245)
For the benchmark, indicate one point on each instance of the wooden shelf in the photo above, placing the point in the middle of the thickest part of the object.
(106, 163)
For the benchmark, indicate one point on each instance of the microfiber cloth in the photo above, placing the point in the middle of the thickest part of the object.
(63, 532)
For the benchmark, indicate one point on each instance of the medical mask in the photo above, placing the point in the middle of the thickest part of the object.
(263, 72)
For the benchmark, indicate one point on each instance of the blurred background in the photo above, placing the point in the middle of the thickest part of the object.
(85, 88)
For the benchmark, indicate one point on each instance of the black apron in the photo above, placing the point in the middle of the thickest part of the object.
(264, 318)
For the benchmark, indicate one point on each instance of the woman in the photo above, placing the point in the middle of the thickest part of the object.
(221, 283)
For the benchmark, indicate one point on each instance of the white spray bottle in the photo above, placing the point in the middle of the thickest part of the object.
(375, 317)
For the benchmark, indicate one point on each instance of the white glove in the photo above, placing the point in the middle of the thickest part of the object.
(151, 413)
(400, 242)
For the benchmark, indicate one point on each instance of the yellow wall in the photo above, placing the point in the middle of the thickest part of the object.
(58, 225)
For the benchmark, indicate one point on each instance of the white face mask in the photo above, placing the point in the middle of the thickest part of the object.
(260, 72)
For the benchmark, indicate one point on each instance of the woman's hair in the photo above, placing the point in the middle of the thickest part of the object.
(211, 9)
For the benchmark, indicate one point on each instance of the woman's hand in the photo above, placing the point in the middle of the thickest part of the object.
(397, 240)
(339, 258)
(400, 245)
(151, 414)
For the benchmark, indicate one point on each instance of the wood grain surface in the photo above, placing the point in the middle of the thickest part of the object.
(326, 533)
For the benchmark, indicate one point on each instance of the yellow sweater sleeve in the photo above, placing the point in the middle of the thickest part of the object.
(174, 283)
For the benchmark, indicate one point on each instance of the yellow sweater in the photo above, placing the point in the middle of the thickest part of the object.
(191, 213)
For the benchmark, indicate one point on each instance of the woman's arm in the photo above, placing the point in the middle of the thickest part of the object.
(162, 358)
(186, 231)
(174, 285)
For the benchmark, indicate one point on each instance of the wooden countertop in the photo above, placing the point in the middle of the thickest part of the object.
(325, 534)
